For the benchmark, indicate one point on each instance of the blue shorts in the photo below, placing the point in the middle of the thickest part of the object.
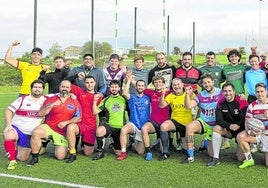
(23, 139)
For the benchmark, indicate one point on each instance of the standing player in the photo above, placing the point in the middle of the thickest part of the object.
(29, 71)
(54, 78)
(207, 101)
(115, 106)
(60, 111)
(87, 127)
(257, 109)
(230, 120)
(19, 127)
(77, 75)
(139, 107)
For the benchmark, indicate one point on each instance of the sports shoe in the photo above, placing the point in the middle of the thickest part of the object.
(253, 148)
(12, 165)
(202, 149)
(32, 162)
(42, 150)
(99, 155)
(71, 158)
(247, 163)
(225, 145)
(213, 162)
(122, 156)
(149, 156)
(187, 160)
(163, 157)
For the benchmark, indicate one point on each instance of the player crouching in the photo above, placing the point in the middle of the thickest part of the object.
(258, 110)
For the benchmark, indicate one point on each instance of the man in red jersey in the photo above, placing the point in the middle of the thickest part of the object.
(60, 111)
(87, 127)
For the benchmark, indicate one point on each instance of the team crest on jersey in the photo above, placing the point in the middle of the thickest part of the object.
(236, 111)
(70, 107)
(116, 107)
(28, 104)
(216, 73)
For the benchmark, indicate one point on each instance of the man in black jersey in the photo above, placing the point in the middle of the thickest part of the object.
(230, 120)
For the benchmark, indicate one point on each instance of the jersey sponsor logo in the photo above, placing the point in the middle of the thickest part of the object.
(116, 107)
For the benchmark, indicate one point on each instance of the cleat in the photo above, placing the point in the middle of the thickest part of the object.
(225, 145)
(32, 162)
(187, 160)
(149, 156)
(163, 157)
(99, 155)
(247, 163)
(202, 149)
(71, 158)
(213, 162)
(122, 156)
(12, 165)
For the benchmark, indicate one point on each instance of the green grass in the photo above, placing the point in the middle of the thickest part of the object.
(134, 171)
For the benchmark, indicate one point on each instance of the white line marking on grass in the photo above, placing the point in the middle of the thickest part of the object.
(46, 181)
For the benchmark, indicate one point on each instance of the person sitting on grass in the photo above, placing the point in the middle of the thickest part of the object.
(230, 120)
(60, 111)
(207, 101)
(180, 116)
(19, 127)
(115, 106)
(259, 110)
(139, 107)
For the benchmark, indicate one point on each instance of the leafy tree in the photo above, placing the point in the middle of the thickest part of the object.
(176, 50)
(101, 49)
(242, 50)
(55, 50)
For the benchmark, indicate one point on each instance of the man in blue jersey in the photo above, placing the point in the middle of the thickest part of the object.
(207, 101)
(139, 106)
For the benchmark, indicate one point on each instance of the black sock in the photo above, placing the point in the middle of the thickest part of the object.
(99, 143)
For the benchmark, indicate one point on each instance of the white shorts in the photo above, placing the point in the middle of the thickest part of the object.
(264, 140)
(137, 132)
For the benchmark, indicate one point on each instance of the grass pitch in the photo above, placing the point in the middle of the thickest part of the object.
(134, 171)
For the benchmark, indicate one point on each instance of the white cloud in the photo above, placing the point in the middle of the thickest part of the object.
(219, 24)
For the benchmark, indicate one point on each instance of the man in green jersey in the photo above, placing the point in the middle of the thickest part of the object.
(114, 106)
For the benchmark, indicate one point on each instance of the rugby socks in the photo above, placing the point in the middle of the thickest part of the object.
(72, 151)
(216, 144)
(248, 156)
(205, 143)
(10, 149)
(147, 149)
(170, 141)
(190, 153)
(164, 139)
(99, 143)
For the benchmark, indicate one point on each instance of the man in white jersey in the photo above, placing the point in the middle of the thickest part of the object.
(19, 127)
(259, 110)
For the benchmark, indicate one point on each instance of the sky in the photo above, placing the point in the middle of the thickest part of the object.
(219, 24)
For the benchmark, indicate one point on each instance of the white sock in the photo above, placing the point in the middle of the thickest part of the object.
(123, 149)
(248, 156)
(216, 144)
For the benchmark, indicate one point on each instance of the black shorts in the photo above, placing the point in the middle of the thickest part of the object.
(114, 133)
(179, 127)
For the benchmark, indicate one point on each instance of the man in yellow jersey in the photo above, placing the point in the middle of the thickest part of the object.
(29, 71)
(180, 116)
